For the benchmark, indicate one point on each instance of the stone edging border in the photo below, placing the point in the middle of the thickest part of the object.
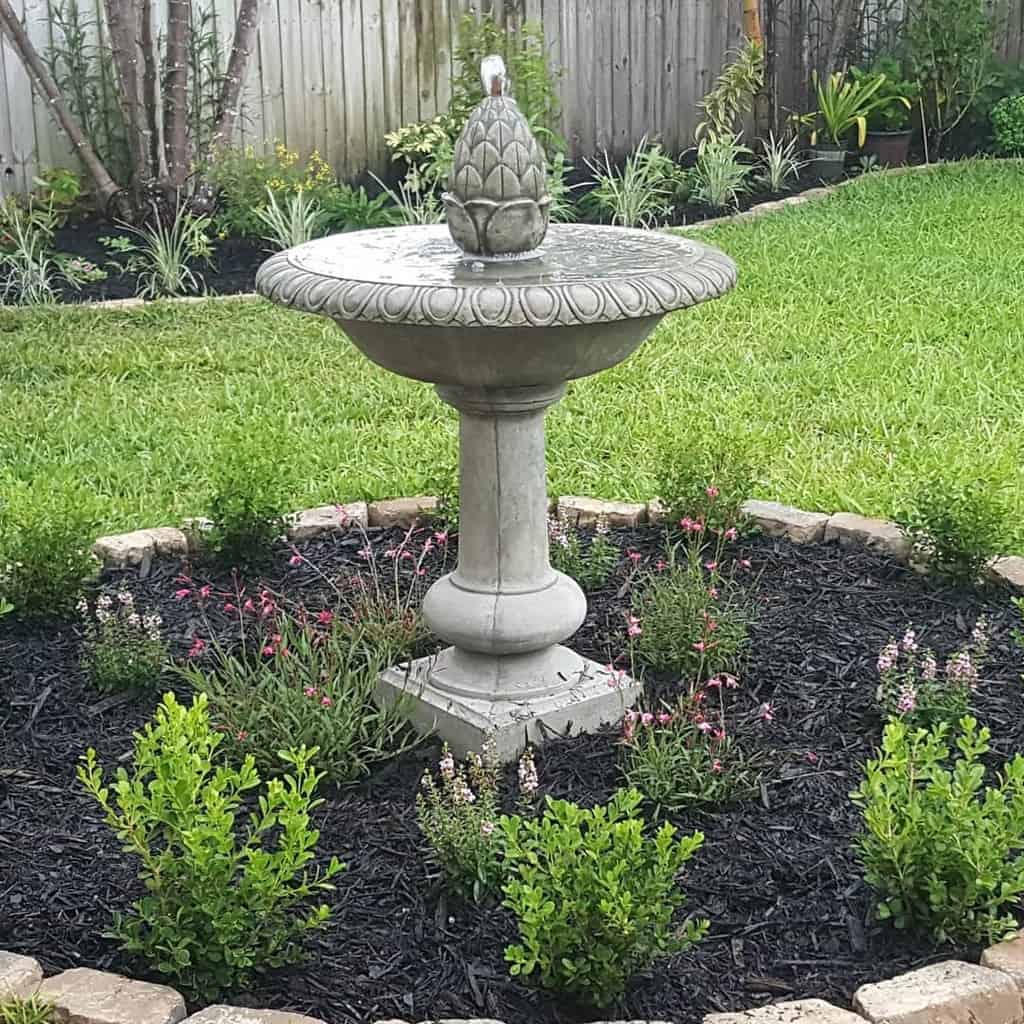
(138, 548)
(951, 991)
(760, 209)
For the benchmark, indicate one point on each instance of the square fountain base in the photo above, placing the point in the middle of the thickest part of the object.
(581, 703)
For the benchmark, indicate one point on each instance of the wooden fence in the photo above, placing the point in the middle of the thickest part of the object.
(335, 75)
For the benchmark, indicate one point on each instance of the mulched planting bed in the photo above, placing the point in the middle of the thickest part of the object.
(790, 915)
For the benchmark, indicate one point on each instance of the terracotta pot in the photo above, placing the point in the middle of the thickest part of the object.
(891, 148)
(827, 164)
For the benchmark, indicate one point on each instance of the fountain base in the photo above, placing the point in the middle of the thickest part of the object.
(558, 692)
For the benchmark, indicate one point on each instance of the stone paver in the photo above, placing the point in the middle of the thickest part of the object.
(316, 522)
(121, 550)
(1007, 957)
(85, 996)
(241, 1015)
(952, 992)
(169, 540)
(586, 511)
(1009, 570)
(19, 975)
(805, 1011)
(875, 534)
(794, 524)
(403, 512)
(657, 513)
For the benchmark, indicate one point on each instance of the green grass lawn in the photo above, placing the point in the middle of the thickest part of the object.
(873, 337)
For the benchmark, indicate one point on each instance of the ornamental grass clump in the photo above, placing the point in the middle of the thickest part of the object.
(46, 531)
(121, 648)
(942, 850)
(589, 564)
(683, 756)
(914, 688)
(223, 900)
(688, 618)
(593, 896)
(299, 678)
(32, 1010)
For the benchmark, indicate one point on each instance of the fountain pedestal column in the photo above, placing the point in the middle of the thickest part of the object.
(504, 609)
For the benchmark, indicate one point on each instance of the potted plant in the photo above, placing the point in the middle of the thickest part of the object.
(843, 104)
(889, 129)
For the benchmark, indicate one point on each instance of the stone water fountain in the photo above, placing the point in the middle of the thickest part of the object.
(498, 310)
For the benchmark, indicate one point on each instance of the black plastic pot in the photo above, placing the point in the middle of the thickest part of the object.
(827, 164)
(891, 148)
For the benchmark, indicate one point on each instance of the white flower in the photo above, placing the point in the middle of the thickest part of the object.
(134, 621)
(104, 601)
(82, 607)
(125, 597)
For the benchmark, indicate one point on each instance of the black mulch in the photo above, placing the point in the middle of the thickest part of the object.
(790, 915)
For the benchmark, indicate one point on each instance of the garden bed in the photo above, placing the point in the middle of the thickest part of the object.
(790, 915)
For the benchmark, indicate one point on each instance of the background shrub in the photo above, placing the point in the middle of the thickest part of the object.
(706, 486)
(121, 649)
(305, 684)
(221, 903)
(941, 850)
(1008, 126)
(46, 532)
(594, 898)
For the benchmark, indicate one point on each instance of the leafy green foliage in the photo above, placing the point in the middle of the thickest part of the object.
(293, 221)
(458, 815)
(643, 194)
(121, 649)
(28, 267)
(1008, 126)
(705, 485)
(46, 531)
(692, 619)
(732, 98)
(589, 564)
(845, 104)
(346, 208)
(941, 850)
(26, 1011)
(594, 897)
(682, 757)
(164, 256)
(895, 93)
(779, 162)
(956, 525)
(221, 905)
(719, 177)
(310, 681)
(247, 502)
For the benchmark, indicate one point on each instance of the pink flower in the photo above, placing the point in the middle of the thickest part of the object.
(712, 492)
(929, 669)
(664, 718)
(248, 606)
(731, 533)
(705, 727)
(647, 719)
(616, 676)
(441, 537)
(447, 765)
(731, 682)
(310, 691)
(633, 627)
(713, 593)
(700, 646)
(325, 618)
(909, 641)
(718, 735)
(634, 556)
(711, 566)
(888, 657)
(714, 683)
(812, 757)
(197, 648)
(907, 701)
(486, 828)
(242, 736)
(661, 565)
(716, 766)
(744, 563)
(766, 712)
(182, 594)
(296, 559)
(229, 607)
(365, 553)
(326, 702)
(269, 651)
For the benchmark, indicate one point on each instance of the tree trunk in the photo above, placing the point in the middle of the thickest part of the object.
(151, 91)
(124, 30)
(42, 81)
(752, 20)
(845, 18)
(231, 91)
(179, 27)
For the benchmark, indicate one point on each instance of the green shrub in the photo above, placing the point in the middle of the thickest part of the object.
(1008, 126)
(121, 649)
(590, 565)
(705, 487)
(345, 208)
(688, 618)
(594, 898)
(308, 683)
(247, 504)
(956, 526)
(683, 757)
(26, 1011)
(941, 850)
(221, 905)
(46, 531)
(914, 689)
(642, 195)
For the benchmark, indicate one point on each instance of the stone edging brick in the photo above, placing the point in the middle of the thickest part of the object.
(140, 547)
(950, 992)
